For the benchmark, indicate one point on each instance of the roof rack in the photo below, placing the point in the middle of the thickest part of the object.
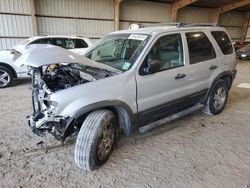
(180, 24)
(177, 24)
(202, 24)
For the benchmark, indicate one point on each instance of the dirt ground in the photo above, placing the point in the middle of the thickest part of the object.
(196, 151)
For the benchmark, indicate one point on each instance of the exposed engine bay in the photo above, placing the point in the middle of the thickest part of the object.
(59, 77)
(49, 79)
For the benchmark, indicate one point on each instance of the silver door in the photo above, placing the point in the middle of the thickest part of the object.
(204, 63)
(170, 82)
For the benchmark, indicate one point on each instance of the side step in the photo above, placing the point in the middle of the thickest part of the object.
(180, 114)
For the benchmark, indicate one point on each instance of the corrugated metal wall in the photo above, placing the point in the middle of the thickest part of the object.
(95, 18)
(15, 22)
(232, 21)
(76, 8)
(194, 15)
(142, 12)
(15, 6)
(88, 18)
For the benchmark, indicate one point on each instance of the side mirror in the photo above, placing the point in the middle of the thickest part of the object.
(153, 67)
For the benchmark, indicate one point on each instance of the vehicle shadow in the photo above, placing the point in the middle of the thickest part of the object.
(122, 140)
(138, 137)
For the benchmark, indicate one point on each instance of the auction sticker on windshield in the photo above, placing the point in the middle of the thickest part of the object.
(126, 66)
(137, 37)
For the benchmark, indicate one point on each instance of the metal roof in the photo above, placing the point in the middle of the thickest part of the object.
(210, 3)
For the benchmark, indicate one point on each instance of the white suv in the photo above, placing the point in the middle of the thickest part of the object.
(8, 71)
(128, 80)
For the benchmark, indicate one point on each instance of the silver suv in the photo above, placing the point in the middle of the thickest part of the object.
(127, 81)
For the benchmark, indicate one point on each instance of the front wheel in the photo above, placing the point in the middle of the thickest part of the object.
(217, 98)
(95, 140)
(6, 77)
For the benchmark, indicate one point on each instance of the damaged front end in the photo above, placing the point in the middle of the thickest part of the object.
(54, 69)
(43, 118)
(47, 80)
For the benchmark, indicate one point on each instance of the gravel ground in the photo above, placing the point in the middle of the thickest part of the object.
(195, 151)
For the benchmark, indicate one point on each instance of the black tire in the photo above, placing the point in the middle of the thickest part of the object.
(90, 138)
(5, 81)
(213, 107)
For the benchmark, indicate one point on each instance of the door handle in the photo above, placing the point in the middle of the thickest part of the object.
(212, 67)
(179, 76)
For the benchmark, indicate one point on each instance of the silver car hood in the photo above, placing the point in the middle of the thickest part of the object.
(37, 55)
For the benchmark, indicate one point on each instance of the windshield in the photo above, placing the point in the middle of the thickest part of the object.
(119, 51)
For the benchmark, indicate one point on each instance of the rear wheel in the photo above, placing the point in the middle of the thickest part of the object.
(217, 99)
(95, 139)
(6, 77)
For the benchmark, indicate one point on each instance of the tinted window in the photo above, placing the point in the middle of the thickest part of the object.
(79, 43)
(69, 43)
(42, 41)
(223, 41)
(64, 43)
(200, 48)
(168, 50)
(58, 42)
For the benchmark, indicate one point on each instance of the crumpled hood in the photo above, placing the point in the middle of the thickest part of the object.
(37, 55)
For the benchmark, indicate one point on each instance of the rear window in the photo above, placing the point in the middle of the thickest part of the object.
(64, 43)
(223, 41)
(200, 48)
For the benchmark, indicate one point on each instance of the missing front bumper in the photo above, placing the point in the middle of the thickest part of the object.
(59, 127)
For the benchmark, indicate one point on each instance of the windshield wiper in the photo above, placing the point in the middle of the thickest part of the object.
(114, 70)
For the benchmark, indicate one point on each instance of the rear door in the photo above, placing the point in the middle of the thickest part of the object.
(203, 61)
(224, 43)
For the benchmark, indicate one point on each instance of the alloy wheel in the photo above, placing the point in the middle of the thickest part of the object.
(106, 141)
(4, 78)
(219, 98)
